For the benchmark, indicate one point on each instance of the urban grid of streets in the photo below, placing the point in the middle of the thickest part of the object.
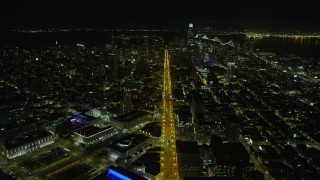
(169, 165)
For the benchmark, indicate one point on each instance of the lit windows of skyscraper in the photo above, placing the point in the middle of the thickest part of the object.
(190, 37)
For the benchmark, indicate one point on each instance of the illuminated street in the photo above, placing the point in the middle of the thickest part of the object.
(169, 166)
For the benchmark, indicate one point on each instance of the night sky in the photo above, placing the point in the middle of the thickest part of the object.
(111, 13)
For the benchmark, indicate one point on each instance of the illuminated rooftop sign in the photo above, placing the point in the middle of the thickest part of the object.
(116, 176)
(120, 173)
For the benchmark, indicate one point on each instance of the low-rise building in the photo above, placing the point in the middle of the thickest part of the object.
(127, 146)
(148, 165)
(131, 121)
(91, 134)
(27, 142)
(122, 173)
(82, 120)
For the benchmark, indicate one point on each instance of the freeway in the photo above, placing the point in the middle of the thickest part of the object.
(169, 165)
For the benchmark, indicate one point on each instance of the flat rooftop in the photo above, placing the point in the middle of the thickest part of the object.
(91, 130)
(187, 147)
(128, 142)
(26, 138)
(113, 172)
(84, 117)
(130, 116)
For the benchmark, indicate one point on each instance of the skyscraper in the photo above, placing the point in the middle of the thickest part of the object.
(113, 64)
(127, 101)
(230, 71)
(196, 108)
(188, 159)
(190, 36)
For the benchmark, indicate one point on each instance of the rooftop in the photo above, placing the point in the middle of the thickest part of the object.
(84, 117)
(128, 142)
(151, 161)
(130, 116)
(119, 172)
(92, 130)
(187, 147)
(26, 138)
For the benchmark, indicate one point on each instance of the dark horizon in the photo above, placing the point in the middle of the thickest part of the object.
(98, 14)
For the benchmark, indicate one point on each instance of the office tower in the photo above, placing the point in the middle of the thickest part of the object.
(127, 101)
(230, 71)
(188, 159)
(190, 36)
(197, 109)
(113, 64)
(122, 57)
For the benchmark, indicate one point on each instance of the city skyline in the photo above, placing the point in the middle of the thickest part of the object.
(159, 90)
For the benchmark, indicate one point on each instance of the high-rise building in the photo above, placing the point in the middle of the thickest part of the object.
(230, 71)
(206, 154)
(127, 101)
(196, 107)
(188, 159)
(113, 64)
(213, 81)
(122, 57)
(190, 36)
